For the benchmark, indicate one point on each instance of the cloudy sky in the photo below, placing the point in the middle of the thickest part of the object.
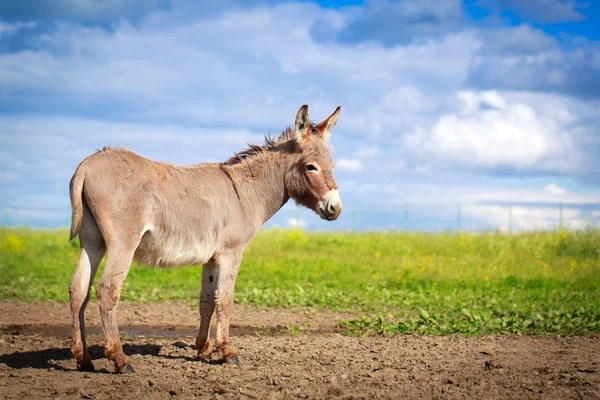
(482, 103)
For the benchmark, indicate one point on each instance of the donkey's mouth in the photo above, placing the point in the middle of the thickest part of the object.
(330, 207)
(325, 215)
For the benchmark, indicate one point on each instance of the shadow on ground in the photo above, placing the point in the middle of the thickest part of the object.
(46, 359)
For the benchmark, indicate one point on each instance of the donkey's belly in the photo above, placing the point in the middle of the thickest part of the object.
(169, 251)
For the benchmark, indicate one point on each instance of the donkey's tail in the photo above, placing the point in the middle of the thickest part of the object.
(76, 190)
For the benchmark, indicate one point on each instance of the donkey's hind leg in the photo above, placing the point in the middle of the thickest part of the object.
(92, 249)
(108, 291)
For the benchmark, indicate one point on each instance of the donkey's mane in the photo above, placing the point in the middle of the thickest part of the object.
(271, 143)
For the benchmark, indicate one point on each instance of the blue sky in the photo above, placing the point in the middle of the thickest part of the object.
(483, 103)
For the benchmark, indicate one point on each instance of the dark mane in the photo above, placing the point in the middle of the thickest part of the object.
(271, 143)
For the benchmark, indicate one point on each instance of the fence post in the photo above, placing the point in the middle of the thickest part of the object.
(510, 219)
(406, 217)
(560, 215)
(458, 217)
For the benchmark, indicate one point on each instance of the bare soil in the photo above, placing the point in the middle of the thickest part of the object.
(284, 354)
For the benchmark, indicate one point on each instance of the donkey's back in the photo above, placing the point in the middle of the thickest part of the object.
(176, 214)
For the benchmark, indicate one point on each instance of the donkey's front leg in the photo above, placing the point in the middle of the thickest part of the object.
(229, 267)
(210, 274)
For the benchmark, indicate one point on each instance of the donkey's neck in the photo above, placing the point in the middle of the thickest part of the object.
(260, 184)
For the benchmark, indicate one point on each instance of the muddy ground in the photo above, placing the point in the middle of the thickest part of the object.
(284, 354)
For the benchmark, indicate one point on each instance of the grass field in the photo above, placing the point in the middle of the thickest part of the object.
(534, 283)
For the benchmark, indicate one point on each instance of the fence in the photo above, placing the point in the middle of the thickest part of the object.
(449, 217)
(411, 217)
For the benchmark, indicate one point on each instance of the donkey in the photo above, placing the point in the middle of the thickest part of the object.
(161, 214)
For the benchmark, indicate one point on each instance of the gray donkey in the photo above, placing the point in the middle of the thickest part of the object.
(161, 214)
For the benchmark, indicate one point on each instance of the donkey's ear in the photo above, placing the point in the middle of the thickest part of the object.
(324, 128)
(302, 126)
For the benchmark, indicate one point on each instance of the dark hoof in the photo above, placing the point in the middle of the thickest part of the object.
(89, 367)
(128, 369)
(235, 361)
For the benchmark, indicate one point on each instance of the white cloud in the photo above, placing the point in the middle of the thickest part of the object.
(296, 223)
(487, 131)
(349, 164)
(555, 189)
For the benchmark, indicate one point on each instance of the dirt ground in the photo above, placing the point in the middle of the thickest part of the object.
(284, 354)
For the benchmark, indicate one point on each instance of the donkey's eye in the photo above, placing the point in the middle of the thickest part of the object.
(311, 168)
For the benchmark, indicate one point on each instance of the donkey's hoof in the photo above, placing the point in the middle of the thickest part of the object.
(87, 367)
(128, 369)
(234, 360)
(205, 358)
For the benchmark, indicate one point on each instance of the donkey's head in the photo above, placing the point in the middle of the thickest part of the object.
(310, 179)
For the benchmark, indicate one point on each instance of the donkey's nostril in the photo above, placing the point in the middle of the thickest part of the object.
(331, 208)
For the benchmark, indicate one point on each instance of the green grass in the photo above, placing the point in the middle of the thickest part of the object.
(534, 283)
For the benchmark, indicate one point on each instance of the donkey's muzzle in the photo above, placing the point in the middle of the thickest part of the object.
(331, 206)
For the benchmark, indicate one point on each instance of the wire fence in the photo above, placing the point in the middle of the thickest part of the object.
(412, 217)
(449, 217)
